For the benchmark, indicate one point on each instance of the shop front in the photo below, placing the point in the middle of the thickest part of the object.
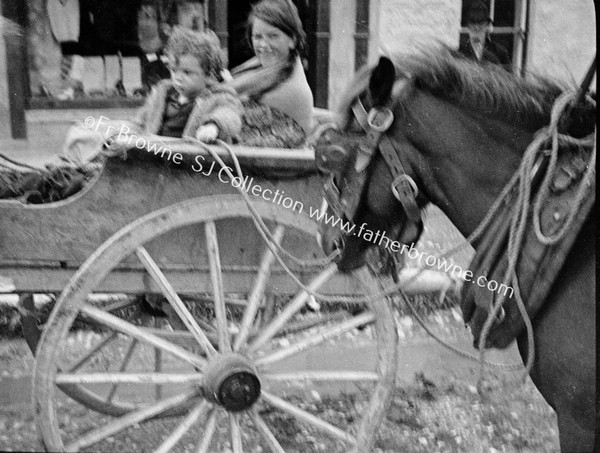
(103, 56)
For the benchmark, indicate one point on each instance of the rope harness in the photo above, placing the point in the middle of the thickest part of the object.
(522, 182)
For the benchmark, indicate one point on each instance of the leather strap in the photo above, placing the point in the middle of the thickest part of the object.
(403, 186)
(360, 114)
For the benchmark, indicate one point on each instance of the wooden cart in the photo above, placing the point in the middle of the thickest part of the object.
(232, 360)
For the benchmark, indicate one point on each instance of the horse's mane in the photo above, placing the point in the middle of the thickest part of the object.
(486, 88)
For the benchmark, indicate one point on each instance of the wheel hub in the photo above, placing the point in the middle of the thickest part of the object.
(231, 381)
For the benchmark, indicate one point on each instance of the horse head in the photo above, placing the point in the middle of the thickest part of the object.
(369, 203)
(431, 127)
(459, 131)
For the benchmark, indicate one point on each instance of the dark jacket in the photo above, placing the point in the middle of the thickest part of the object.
(492, 52)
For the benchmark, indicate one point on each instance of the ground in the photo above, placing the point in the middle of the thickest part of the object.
(436, 406)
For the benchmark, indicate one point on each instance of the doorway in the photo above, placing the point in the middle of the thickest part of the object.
(239, 47)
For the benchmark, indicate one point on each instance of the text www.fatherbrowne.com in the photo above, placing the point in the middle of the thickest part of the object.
(379, 238)
(125, 135)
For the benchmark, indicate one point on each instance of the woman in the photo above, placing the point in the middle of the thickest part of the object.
(275, 76)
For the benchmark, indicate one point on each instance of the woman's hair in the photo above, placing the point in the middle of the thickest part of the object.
(283, 15)
(204, 46)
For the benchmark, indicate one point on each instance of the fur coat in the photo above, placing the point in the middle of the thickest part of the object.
(216, 104)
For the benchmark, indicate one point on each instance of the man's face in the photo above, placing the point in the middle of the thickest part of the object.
(478, 31)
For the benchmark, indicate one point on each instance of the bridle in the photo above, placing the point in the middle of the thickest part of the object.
(375, 123)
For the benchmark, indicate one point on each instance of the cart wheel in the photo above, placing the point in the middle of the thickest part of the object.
(238, 378)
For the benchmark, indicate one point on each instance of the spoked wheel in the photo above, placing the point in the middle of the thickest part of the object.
(245, 372)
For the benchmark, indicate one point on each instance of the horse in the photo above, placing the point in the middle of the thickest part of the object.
(456, 132)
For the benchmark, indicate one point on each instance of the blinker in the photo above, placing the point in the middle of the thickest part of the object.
(331, 159)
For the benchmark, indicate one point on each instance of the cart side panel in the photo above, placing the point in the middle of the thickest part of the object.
(41, 246)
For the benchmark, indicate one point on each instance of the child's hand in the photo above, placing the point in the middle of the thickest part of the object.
(207, 133)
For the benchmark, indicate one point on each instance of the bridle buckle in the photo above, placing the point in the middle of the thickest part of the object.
(406, 184)
(380, 119)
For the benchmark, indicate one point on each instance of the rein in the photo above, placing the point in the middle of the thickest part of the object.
(375, 124)
(275, 248)
(378, 120)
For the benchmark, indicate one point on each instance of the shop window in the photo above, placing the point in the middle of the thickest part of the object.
(509, 19)
(111, 49)
(107, 27)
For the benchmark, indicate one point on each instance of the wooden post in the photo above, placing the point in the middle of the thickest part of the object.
(217, 21)
(318, 50)
(5, 132)
(361, 34)
(17, 72)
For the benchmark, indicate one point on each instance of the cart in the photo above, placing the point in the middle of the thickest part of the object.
(178, 326)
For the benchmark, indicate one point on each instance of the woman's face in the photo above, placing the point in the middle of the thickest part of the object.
(271, 45)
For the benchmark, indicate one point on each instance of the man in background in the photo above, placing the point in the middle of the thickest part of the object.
(478, 45)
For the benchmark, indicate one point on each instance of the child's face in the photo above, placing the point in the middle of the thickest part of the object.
(187, 75)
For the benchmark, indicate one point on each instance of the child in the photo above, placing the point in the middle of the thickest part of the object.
(192, 102)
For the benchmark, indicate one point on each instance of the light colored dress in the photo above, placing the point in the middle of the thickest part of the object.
(291, 96)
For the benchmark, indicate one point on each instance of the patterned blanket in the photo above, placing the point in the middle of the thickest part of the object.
(268, 127)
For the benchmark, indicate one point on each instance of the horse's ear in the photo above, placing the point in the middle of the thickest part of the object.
(382, 81)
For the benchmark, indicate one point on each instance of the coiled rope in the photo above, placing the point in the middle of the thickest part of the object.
(522, 180)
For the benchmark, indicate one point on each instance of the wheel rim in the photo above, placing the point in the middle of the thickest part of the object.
(243, 350)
